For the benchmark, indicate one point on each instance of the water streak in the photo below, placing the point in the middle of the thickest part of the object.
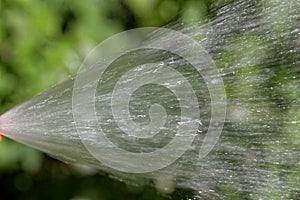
(256, 47)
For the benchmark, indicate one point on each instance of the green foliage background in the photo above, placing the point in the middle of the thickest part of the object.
(43, 43)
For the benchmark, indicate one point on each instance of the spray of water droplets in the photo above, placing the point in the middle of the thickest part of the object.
(255, 47)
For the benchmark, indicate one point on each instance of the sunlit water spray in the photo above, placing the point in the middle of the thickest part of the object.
(255, 49)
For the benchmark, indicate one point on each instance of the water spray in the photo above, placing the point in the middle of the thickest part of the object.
(206, 106)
